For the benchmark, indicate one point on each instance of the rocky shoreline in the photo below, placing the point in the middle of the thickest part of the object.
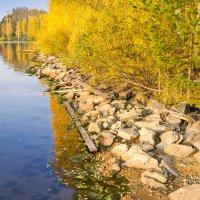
(158, 144)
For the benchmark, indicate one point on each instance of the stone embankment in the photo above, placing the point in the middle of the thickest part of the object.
(161, 142)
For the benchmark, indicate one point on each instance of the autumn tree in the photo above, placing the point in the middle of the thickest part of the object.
(175, 45)
(18, 30)
(9, 30)
(24, 27)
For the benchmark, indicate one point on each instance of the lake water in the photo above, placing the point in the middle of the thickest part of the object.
(42, 156)
(32, 134)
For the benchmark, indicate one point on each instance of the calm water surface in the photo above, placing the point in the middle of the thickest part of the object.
(34, 148)
(42, 156)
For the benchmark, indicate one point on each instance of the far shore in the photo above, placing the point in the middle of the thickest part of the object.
(20, 42)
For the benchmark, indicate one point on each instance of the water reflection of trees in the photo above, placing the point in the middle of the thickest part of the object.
(73, 165)
(67, 142)
(12, 54)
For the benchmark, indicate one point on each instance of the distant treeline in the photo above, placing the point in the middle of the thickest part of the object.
(21, 24)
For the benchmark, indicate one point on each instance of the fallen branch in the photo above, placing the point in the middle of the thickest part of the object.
(95, 91)
(180, 115)
(140, 85)
(91, 146)
(66, 91)
(190, 118)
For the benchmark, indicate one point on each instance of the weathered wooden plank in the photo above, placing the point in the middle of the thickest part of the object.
(83, 132)
(95, 91)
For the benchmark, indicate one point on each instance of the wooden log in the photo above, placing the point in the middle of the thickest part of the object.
(28, 51)
(95, 91)
(70, 90)
(178, 114)
(91, 146)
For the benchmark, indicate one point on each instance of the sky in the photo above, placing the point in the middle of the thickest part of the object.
(8, 5)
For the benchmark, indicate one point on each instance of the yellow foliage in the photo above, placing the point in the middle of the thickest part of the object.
(150, 43)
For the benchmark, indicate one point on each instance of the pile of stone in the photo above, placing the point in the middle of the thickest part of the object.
(141, 135)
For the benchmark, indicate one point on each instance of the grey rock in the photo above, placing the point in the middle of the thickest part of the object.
(107, 142)
(155, 106)
(147, 136)
(105, 125)
(173, 120)
(94, 128)
(107, 134)
(132, 114)
(184, 107)
(86, 106)
(131, 152)
(106, 110)
(169, 137)
(193, 128)
(153, 117)
(192, 135)
(119, 150)
(146, 147)
(117, 125)
(141, 160)
(161, 145)
(151, 182)
(167, 165)
(119, 104)
(197, 157)
(69, 96)
(179, 150)
(189, 192)
(156, 175)
(130, 123)
(155, 126)
(128, 134)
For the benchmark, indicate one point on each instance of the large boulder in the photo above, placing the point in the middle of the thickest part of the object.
(151, 125)
(156, 175)
(128, 134)
(106, 110)
(173, 120)
(141, 160)
(165, 163)
(131, 152)
(169, 137)
(193, 128)
(151, 182)
(153, 117)
(132, 114)
(156, 106)
(192, 135)
(189, 192)
(178, 150)
(146, 147)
